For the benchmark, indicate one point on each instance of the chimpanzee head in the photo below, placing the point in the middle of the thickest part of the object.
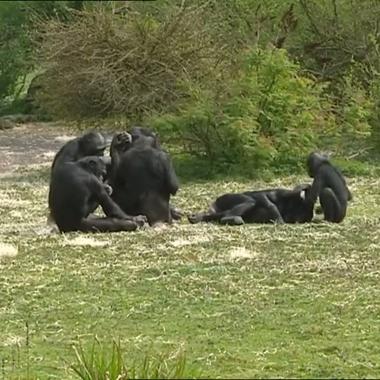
(95, 165)
(314, 161)
(150, 137)
(92, 144)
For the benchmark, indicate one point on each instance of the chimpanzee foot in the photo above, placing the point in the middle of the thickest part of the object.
(194, 218)
(176, 214)
(140, 220)
(128, 225)
(232, 220)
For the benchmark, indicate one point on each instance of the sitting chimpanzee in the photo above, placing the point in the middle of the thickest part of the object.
(152, 138)
(142, 177)
(263, 206)
(74, 189)
(90, 144)
(330, 186)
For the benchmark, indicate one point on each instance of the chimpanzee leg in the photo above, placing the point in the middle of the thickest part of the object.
(230, 216)
(235, 215)
(261, 210)
(265, 212)
(333, 210)
(106, 224)
(203, 217)
(156, 208)
(232, 220)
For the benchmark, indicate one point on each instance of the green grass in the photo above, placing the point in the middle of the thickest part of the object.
(247, 301)
(108, 362)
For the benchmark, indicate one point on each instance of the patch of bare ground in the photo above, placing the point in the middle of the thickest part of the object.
(29, 144)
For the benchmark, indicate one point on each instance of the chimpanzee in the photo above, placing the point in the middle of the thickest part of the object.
(142, 177)
(152, 137)
(90, 144)
(74, 188)
(263, 206)
(330, 186)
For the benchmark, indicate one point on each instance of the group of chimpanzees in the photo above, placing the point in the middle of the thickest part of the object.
(133, 186)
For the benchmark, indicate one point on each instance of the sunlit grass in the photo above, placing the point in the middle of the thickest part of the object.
(247, 301)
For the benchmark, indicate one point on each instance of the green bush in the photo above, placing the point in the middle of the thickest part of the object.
(14, 62)
(270, 115)
(16, 48)
(374, 118)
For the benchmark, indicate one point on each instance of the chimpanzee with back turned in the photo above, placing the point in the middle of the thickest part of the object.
(152, 137)
(138, 132)
(263, 206)
(142, 176)
(330, 186)
(74, 188)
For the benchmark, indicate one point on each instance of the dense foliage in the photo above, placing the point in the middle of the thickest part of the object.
(271, 114)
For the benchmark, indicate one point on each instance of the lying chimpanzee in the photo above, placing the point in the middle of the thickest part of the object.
(263, 206)
(330, 186)
(74, 189)
(142, 176)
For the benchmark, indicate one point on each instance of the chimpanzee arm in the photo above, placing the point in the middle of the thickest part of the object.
(121, 142)
(113, 167)
(349, 194)
(109, 207)
(171, 177)
(316, 187)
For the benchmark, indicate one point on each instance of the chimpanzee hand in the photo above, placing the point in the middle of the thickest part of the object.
(121, 141)
(140, 220)
(108, 189)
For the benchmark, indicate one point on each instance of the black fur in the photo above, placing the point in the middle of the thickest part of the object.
(263, 206)
(138, 132)
(330, 186)
(90, 144)
(142, 177)
(153, 138)
(74, 189)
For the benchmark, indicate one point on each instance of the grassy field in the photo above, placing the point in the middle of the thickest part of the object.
(247, 301)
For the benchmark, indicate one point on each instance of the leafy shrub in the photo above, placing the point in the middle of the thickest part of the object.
(13, 47)
(374, 118)
(16, 49)
(270, 115)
